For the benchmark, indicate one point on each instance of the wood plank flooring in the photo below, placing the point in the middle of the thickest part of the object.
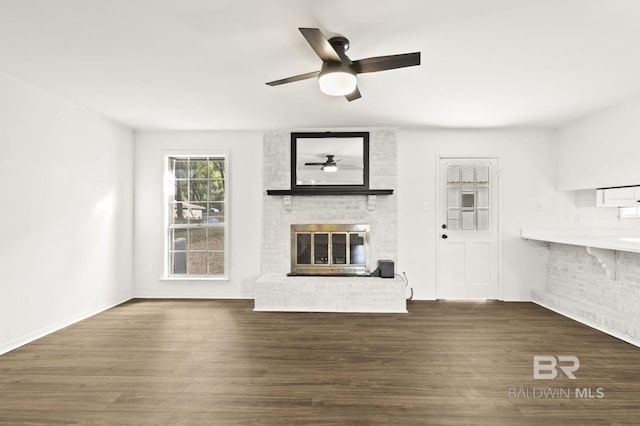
(216, 362)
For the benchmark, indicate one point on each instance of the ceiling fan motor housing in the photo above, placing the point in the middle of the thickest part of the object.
(339, 43)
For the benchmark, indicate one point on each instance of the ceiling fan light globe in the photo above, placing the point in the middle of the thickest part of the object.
(330, 168)
(337, 83)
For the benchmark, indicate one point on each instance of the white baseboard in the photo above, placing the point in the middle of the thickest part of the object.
(590, 324)
(28, 338)
(188, 296)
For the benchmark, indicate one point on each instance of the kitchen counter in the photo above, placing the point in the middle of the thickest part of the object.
(591, 276)
(609, 239)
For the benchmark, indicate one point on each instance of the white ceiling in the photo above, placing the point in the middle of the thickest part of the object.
(203, 64)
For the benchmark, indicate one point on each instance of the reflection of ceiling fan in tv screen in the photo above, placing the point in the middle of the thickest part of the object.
(331, 165)
(330, 159)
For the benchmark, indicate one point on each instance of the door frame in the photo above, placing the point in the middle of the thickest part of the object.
(438, 219)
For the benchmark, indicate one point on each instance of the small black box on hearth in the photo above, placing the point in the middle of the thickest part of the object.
(387, 268)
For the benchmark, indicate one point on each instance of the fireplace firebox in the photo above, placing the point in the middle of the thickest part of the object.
(330, 249)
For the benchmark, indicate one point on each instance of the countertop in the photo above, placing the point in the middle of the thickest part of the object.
(611, 239)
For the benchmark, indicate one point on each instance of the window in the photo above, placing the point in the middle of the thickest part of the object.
(196, 216)
(468, 197)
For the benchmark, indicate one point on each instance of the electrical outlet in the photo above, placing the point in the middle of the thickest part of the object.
(149, 268)
(539, 206)
(425, 205)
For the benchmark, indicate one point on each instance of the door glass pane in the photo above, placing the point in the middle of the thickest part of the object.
(356, 248)
(482, 175)
(468, 220)
(453, 175)
(453, 219)
(339, 249)
(468, 199)
(468, 177)
(483, 197)
(321, 249)
(303, 249)
(483, 219)
(453, 197)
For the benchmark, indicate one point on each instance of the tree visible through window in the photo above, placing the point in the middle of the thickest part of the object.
(197, 216)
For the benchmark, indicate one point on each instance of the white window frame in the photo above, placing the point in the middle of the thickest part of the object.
(168, 189)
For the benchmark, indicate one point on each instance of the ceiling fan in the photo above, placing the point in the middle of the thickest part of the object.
(337, 77)
(330, 165)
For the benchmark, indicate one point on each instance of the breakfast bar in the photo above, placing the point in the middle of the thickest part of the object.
(593, 276)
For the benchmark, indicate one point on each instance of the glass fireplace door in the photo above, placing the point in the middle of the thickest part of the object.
(339, 253)
(320, 248)
(357, 248)
(329, 249)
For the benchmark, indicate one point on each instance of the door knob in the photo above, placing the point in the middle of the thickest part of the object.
(444, 225)
(444, 236)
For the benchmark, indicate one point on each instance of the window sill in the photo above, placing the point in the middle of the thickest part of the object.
(194, 279)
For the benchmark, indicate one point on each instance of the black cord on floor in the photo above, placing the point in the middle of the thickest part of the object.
(404, 278)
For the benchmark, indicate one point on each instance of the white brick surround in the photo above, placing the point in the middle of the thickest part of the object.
(330, 294)
(274, 291)
(345, 209)
(577, 286)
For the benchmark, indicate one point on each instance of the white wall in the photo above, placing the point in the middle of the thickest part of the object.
(66, 236)
(245, 185)
(527, 177)
(600, 150)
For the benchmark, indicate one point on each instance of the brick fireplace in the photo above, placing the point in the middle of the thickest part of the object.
(280, 212)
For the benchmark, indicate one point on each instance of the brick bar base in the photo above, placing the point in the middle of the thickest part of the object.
(578, 287)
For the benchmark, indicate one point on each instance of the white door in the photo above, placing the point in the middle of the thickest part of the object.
(468, 229)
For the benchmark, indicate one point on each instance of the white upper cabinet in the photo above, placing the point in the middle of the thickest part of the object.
(627, 196)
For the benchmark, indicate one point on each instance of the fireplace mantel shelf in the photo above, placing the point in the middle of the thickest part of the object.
(329, 191)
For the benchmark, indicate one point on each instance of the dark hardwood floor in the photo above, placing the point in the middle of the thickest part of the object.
(204, 362)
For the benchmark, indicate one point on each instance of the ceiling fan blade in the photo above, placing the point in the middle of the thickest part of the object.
(382, 63)
(294, 78)
(354, 95)
(314, 164)
(320, 44)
